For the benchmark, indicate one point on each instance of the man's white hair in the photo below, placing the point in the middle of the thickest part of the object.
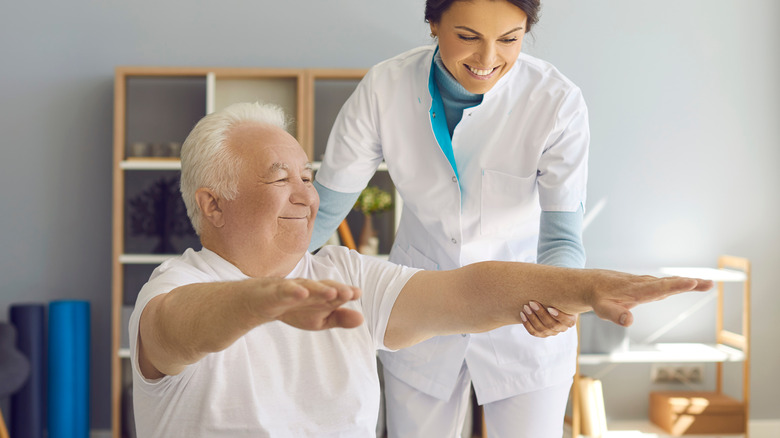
(206, 160)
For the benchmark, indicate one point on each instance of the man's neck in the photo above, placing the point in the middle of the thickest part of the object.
(255, 263)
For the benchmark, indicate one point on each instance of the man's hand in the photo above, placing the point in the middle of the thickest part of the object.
(544, 322)
(307, 304)
(615, 293)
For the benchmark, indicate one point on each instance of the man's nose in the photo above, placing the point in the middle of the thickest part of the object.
(304, 193)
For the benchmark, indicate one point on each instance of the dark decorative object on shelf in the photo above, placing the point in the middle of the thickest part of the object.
(160, 212)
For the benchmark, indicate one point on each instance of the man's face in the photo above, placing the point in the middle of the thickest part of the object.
(276, 201)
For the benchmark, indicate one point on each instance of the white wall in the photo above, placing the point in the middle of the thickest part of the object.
(683, 97)
(684, 100)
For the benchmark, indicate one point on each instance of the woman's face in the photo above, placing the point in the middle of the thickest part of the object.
(479, 41)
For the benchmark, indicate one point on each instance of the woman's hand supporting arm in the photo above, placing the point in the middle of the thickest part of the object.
(560, 244)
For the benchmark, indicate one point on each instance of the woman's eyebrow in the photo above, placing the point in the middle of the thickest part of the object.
(466, 28)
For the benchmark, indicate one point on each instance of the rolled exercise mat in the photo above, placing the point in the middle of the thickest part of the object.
(28, 404)
(69, 369)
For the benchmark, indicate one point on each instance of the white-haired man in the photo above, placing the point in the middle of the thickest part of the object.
(254, 336)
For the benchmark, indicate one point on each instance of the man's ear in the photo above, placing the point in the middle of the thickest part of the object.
(208, 203)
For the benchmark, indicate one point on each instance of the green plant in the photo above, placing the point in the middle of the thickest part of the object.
(373, 200)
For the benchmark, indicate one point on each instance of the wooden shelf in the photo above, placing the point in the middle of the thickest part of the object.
(668, 353)
(150, 164)
(138, 163)
(144, 259)
(714, 274)
(642, 429)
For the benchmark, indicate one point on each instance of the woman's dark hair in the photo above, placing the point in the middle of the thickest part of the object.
(435, 8)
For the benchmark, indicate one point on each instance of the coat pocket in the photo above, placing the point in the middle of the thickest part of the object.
(508, 202)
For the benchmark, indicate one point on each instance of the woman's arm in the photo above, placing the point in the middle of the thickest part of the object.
(334, 207)
(560, 239)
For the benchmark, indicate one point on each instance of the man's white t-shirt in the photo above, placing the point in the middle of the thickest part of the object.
(276, 380)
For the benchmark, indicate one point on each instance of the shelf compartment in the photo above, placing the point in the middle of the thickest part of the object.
(280, 87)
(330, 89)
(162, 109)
(667, 353)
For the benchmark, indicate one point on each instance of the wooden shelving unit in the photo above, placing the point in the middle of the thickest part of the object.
(729, 346)
(156, 105)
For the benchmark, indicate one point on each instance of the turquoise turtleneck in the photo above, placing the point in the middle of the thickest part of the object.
(454, 97)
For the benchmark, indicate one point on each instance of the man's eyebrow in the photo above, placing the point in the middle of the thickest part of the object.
(466, 28)
(274, 169)
(278, 166)
(283, 167)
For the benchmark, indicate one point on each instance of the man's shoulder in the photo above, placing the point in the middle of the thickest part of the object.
(332, 257)
(192, 266)
(189, 263)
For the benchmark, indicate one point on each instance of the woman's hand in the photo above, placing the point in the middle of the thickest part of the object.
(544, 322)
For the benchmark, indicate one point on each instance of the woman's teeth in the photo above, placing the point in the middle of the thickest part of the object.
(481, 72)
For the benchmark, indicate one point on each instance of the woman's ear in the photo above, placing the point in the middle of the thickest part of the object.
(208, 203)
(434, 33)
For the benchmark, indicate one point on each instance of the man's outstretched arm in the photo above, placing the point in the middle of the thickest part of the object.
(181, 327)
(488, 295)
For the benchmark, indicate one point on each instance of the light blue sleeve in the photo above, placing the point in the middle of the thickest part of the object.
(560, 239)
(334, 207)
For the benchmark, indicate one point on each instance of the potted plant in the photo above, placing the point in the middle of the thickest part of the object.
(372, 200)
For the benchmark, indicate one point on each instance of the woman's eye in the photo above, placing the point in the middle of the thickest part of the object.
(508, 40)
(468, 38)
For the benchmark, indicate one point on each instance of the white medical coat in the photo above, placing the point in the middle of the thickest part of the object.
(522, 150)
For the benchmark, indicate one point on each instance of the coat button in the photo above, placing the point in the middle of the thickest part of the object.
(454, 241)
(464, 335)
(454, 179)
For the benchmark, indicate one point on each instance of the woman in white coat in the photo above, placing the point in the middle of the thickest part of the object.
(488, 148)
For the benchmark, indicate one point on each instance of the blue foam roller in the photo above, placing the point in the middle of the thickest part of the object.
(68, 369)
(28, 404)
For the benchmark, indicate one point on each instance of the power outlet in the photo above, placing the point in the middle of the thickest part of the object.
(677, 373)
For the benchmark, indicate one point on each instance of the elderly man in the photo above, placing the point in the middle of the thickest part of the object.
(254, 336)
